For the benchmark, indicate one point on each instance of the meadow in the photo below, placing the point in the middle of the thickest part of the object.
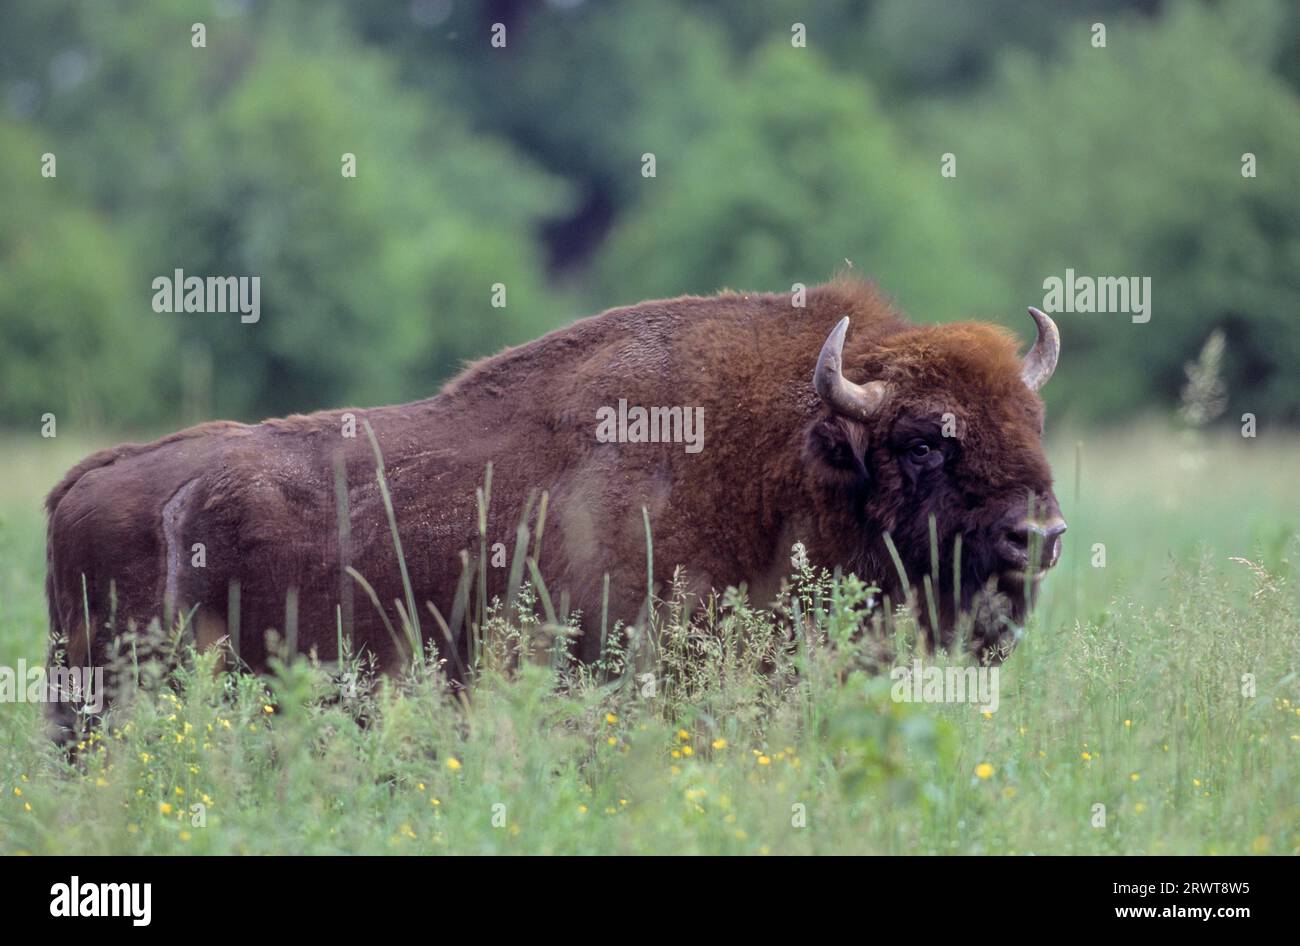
(1161, 685)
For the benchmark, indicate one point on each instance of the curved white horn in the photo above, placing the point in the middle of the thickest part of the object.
(1040, 361)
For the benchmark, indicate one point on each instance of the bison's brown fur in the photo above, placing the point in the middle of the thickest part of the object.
(777, 467)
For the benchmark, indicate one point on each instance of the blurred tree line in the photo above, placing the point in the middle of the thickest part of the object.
(522, 166)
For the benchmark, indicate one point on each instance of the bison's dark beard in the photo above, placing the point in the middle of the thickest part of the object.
(997, 615)
(994, 604)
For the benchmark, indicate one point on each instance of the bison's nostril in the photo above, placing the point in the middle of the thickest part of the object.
(1034, 537)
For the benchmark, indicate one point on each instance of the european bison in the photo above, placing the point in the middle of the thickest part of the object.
(740, 422)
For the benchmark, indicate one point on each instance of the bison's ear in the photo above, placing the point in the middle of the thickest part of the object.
(836, 449)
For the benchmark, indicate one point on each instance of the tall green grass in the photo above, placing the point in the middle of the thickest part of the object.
(727, 727)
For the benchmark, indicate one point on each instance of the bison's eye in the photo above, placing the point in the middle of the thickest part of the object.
(920, 455)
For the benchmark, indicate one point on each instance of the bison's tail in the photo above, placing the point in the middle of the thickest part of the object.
(69, 643)
(60, 626)
(60, 719)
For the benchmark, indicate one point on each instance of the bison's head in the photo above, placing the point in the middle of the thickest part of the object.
(939, 447)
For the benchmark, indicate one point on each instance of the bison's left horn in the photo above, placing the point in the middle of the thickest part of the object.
(1041, 360)
(858, 401)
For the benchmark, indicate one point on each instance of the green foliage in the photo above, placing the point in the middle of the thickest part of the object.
(234, 167)
(804, 170)
(352, 269)
(68, 343)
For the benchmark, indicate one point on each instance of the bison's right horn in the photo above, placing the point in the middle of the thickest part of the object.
(857, 401)
(1040, 361)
